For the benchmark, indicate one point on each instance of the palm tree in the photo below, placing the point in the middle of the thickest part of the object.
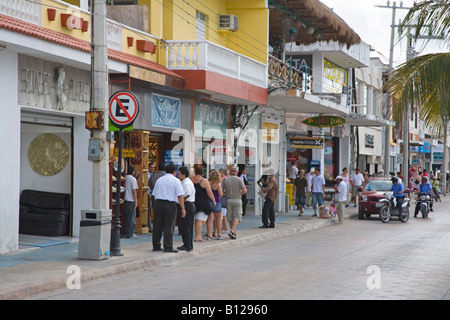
(424, 81)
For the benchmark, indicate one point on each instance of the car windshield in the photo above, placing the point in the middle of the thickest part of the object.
(378, 185)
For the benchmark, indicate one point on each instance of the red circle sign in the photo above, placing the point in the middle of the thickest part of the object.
(123, 109)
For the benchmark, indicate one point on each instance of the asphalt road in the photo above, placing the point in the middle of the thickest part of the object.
(361, 259)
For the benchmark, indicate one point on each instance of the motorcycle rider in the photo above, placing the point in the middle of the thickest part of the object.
(398, 190)
(424, 187)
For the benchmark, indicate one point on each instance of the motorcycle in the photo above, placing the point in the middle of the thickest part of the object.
(423, 201)
(389, 208)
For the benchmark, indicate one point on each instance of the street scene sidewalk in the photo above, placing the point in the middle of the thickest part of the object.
(34, 270)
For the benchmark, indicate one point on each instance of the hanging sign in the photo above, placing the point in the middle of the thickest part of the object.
(165, 111)
(123, 109)
(306, 142)
(324, 121)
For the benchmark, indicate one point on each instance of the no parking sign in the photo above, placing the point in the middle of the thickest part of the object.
(123, 109)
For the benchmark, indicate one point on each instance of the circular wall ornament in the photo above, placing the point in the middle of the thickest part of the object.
(48, 154)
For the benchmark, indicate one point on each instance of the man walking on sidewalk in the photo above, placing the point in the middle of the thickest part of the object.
(234, 188)
(318, 190)
(271, 191)
(341, 197)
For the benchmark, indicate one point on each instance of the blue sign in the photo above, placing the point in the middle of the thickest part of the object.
(173, 156)
(426, 148)
(165, 111)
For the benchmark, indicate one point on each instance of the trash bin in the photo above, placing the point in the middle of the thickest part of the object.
(95, 234)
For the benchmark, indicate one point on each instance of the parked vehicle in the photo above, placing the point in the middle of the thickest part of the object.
(423, 202)
(389, 208)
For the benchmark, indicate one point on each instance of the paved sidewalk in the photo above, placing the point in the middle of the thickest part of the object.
(31, 271)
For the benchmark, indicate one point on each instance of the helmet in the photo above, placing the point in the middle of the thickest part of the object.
(394, 179)
(424, 179)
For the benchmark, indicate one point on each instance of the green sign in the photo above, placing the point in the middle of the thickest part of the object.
(211, 120)
(324, 121)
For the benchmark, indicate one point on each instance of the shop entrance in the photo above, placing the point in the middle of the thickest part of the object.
(46, 175)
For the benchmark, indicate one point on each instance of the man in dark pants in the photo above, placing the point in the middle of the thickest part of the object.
(271, 191)
(186, 223)
(168, 192)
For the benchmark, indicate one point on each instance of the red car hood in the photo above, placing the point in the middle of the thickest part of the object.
(373, 194)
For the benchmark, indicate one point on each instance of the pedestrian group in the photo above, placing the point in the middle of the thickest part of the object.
(183, 197)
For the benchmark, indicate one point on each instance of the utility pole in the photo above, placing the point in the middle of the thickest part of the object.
(387, 136)
(98, 150)
(99, 102)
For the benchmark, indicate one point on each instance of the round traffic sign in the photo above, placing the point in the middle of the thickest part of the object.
(123, 109)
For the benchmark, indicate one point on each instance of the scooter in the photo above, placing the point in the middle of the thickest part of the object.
(390, 208)
(424, 203)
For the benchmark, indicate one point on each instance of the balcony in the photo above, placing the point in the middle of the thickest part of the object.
(218, 71)
(73, 21)
(292, 89)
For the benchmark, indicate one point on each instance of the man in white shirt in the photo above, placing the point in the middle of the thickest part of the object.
(341, 197)
(186, 222)
(168, 192)
(293, 171)
(130, 204)
(318, 190)
(356, 181)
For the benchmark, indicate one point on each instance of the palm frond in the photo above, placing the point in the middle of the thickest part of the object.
(430, 17)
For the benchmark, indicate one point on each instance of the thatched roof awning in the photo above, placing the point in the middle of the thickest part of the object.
(313, 21)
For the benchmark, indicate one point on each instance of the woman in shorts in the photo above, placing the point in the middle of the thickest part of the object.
(215, 181)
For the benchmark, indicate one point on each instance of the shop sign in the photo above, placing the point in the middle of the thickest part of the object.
(165, 111)
(370, 140)
(211, 120)
(438, 156)
(270, 132)
(173, 156)
(335, 77)
(306, 142)
(426, 148)
(126, 153)
(324, 121)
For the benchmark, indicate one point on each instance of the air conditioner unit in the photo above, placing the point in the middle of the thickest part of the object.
(228, 22)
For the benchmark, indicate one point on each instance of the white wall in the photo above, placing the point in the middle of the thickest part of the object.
(30, 179)
(9, 153)
(82, 173)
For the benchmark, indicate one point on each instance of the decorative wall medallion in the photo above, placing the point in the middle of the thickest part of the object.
(48, 154)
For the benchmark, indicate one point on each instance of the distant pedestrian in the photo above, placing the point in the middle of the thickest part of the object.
(271, 191)
(300, 190)
(318, 190)
(341, 197)
(186, 223)
(234, 188)
(309, 176)
(203, 199)
(357, 182)
(151, 170)
(130, 204)
(243, 175)
(168, 192)
(223, 202)
(346, 179)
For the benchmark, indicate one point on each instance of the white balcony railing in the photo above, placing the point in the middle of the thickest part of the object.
(29, 11)
(205, 55)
